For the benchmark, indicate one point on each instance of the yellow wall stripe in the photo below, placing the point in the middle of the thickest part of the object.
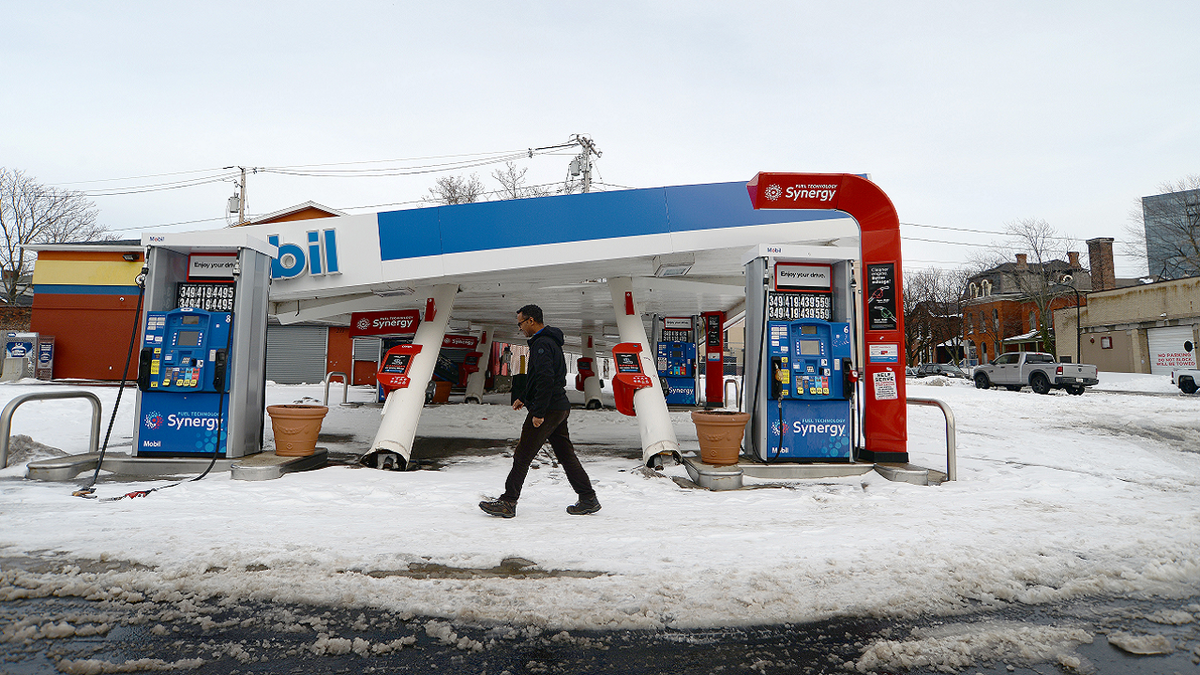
(86, 272)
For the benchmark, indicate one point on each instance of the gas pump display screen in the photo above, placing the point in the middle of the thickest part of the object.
(628, 363)
(792, 306)
(396, 363)
(190, 321)
(188, 338)
(810, 347)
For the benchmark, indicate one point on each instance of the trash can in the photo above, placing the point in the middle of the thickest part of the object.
(441, 392)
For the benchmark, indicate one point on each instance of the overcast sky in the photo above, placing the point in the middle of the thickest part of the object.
(969, 115)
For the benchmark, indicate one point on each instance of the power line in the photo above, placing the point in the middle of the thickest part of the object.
(992, 232)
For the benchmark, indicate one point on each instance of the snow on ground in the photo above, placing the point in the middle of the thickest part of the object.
(1058, 497)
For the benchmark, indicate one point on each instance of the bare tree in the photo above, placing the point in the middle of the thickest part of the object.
(932, 309)
(512, 182)
(1164, 229)
(32, 213)
(456, 190)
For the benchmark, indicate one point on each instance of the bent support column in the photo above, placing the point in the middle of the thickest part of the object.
(402, 410)
(591, 386)
(654, 422)
(476, 379)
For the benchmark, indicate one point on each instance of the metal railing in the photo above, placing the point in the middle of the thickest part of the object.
(951, 443)
(345, 386)
(6, 416)
(737, 393)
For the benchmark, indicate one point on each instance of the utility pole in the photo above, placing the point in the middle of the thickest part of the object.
(242, 198)
(241, 195)
(585, 158)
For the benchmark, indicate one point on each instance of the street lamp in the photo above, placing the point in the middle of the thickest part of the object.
(1066, 281)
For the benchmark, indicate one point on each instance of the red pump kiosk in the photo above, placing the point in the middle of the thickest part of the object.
(714, 359)
(393, 371)
(584, 366)
(629, 376)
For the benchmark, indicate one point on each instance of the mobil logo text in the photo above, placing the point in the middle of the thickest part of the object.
(317, 256)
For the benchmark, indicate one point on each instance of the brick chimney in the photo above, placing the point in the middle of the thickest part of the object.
(1100, 255)
(1022, 262)
(1073, 259)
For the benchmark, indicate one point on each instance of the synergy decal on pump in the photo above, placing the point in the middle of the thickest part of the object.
(810, 415)
(182, 373)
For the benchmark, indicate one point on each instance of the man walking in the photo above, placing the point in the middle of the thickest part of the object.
(545, 398)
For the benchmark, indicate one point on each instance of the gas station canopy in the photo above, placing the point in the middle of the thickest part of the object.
(683, 246)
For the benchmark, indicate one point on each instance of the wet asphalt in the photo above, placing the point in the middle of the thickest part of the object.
(233, 637)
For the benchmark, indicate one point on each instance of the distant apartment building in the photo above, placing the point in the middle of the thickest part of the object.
(1172, 225)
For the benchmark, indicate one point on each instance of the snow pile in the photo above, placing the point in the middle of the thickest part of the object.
(957, 646)
(1058, 497)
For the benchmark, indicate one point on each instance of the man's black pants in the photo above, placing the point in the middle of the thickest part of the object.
(554, 430)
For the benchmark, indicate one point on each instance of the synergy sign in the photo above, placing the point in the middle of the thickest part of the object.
(318, 257)
(821, 193)
(387, 322)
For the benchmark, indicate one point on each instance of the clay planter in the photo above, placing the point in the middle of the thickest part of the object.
(296, 428)
(720, 433)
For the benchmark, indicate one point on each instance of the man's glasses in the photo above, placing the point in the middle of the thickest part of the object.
(522, 321)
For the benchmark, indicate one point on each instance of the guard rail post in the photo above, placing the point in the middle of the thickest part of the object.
(345, 386)
(951, 443)
(6, 416)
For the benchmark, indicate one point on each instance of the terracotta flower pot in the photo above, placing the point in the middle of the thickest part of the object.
(720, 433)
(296, 428)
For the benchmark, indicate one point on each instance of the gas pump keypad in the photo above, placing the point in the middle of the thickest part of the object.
(183, 346)
(802, 354)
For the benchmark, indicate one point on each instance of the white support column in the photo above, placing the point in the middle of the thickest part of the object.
(402, 410)
(654, 422)
(475, 380)
(591, 386)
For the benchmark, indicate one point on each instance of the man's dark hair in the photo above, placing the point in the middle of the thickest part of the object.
(531, 312)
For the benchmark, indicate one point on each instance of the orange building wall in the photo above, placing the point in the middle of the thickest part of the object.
(91, 333)
(91, 330)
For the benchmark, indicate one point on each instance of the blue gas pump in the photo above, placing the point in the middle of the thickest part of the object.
(677, 370)
(183, 378)
(808, 407)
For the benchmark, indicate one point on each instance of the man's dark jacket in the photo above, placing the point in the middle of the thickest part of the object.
(545, 388)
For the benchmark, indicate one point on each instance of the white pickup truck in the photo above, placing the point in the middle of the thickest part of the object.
(1186, 380)
(1037, 370)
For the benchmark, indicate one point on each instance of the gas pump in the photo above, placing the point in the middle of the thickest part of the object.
(676, 360)
(810, 415)
(202, 366)
(183, 368)
(801, 333)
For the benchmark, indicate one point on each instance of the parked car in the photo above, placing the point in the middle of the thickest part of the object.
(943, 369)
(1038, 370)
